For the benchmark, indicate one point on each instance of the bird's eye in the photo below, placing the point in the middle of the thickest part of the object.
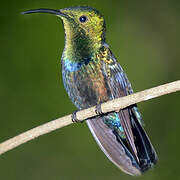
(83, 19)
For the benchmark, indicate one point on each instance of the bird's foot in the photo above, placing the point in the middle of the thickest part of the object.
(74, 117)
(98, 109)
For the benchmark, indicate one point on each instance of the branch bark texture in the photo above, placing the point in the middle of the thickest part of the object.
(114, 105)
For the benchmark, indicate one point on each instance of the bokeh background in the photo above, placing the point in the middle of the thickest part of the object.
(144, 36)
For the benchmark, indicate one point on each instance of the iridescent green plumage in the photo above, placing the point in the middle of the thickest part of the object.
(82, 39)
(91, 76)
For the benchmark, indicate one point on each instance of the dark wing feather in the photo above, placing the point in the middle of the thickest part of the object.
(120, 86)
(105, 136)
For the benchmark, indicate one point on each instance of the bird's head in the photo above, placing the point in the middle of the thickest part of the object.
(85, 20)
(84, 26)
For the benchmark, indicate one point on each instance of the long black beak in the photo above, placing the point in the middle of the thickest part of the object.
(50, 11)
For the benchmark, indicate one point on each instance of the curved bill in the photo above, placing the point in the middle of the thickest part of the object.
(50, 11)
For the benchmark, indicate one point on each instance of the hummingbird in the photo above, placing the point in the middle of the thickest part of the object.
(91, 76)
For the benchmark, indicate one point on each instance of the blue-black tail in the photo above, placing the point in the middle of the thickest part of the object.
(145, 151)
(117, 148)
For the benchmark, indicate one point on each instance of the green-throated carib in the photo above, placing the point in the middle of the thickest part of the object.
(92, 76)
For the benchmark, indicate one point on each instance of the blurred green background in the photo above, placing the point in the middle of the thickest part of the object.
(144, 36)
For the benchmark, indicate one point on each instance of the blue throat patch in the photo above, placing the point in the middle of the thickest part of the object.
(75, 66)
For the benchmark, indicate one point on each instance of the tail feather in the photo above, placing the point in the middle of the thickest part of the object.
(146, 152)
(117, 149)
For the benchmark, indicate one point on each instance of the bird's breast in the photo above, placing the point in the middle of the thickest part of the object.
(85, 83)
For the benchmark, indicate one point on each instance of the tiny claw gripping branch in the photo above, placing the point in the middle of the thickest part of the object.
(98, 109)
(74, 117)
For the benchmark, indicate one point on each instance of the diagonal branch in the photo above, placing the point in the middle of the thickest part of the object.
(114, 105)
